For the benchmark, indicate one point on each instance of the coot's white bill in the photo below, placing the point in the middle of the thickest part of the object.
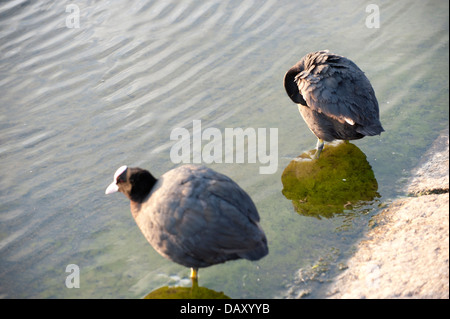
(112, 188)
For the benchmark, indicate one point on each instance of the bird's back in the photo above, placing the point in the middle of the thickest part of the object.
(339, 98)
(198, 217)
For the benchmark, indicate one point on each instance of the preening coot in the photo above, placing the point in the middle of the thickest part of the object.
(334, 97)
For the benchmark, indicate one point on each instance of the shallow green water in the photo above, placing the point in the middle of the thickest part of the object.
(79, 102)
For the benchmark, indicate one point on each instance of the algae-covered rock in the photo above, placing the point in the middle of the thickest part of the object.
(194, 292)
(340, 179)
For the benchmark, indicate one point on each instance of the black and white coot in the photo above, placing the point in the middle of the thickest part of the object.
(334, 97)
(193, 215)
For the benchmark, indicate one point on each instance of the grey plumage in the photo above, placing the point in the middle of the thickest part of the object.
(334, 97)
(197, 217)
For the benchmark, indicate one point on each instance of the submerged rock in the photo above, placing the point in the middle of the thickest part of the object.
(194, 292)
(340, 179)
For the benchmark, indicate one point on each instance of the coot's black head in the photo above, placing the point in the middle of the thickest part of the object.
(290, 83)
(134, 182)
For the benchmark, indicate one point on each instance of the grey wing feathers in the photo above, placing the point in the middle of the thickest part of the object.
(216, 222)
(335, 86)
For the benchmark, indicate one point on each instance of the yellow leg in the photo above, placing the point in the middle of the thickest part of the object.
(194, 273)
(319, 148)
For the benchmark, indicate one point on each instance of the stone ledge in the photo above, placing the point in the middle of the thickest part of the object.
(407, 253)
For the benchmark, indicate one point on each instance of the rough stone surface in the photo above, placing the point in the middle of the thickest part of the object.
(432, 175)
(407, 253)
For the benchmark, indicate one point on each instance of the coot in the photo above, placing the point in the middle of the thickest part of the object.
(334, 97)
(193, 215)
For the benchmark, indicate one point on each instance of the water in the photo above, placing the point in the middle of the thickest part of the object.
(76, 103)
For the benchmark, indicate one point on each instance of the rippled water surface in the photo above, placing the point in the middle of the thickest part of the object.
(78, 101)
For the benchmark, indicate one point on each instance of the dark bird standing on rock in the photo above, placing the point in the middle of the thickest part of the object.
(334, 97)
(193, 215)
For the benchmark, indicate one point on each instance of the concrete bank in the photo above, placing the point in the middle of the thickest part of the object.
(406, 254)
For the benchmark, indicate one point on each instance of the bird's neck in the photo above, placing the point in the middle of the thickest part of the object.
(140, 193)
(135, 208)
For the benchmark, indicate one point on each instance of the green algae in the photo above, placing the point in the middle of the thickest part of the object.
(194, 292)
(340, 179)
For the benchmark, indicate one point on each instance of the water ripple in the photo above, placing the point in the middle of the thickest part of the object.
(78, 102)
